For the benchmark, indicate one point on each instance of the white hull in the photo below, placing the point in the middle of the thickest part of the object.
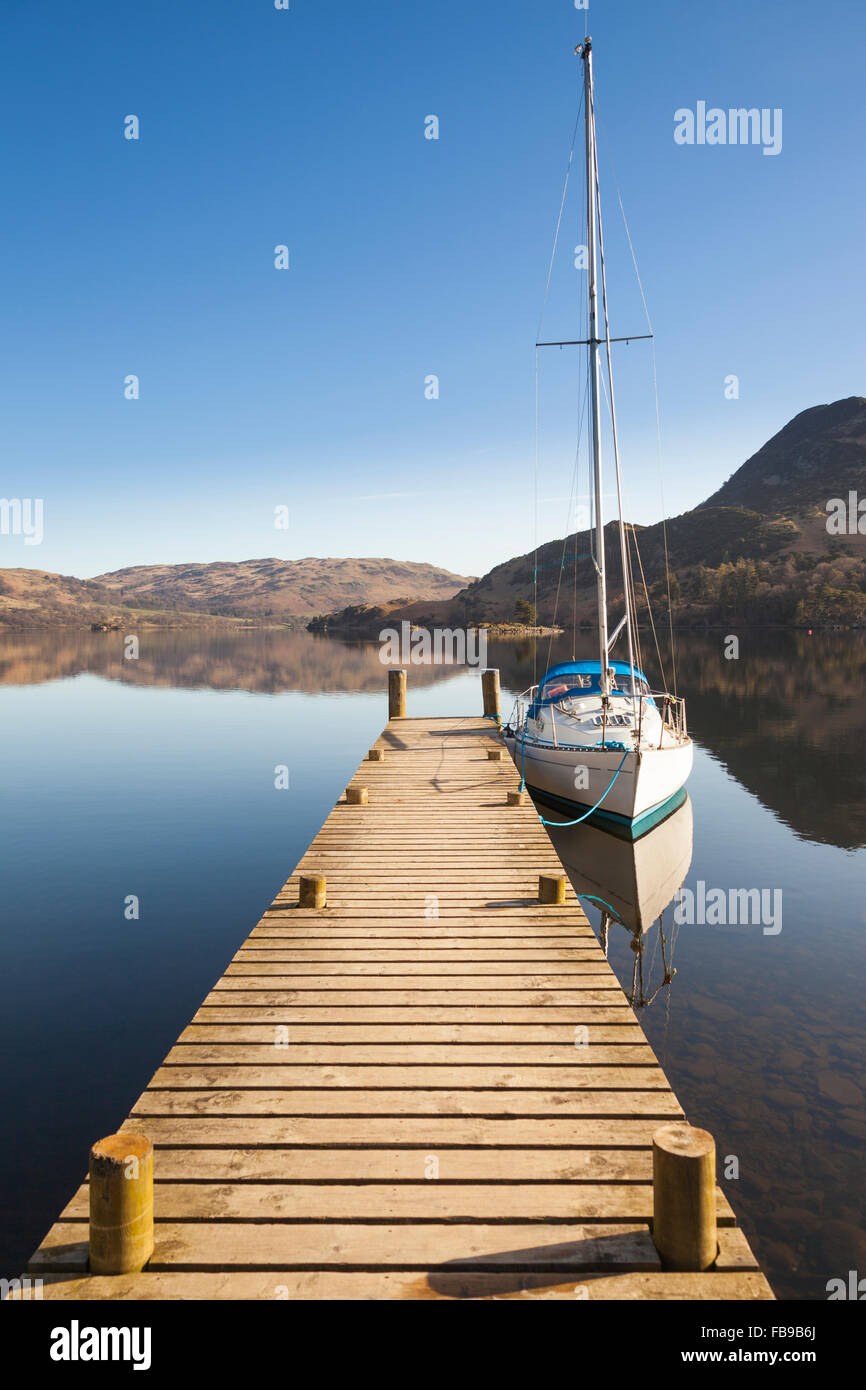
(648, 778)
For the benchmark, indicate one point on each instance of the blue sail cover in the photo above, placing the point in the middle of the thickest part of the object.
(578, 676)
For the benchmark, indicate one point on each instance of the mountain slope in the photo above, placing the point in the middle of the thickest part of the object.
(279, 589)
(757, 550)
(36, 598)
(819, 454)
(276, 591)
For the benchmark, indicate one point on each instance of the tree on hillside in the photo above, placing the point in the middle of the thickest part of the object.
(525, 612)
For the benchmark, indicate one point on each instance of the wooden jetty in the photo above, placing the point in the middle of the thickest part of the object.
(431, 1087)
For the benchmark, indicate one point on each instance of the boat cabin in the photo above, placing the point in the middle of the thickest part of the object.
(584, 678)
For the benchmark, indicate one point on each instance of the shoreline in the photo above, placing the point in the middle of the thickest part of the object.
(301, 623)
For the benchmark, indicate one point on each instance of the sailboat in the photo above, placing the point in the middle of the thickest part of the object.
(592, 737)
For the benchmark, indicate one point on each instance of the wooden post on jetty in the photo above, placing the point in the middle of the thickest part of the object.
(551, 888)
(312, 890)
(490, 688)
(396, 694)
(121, 1204)
(684, 1197)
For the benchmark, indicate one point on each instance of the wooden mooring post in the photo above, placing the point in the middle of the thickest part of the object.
(121, 1204)
(312, 890)
(491, 694)
(396, 694)
(684, 1197)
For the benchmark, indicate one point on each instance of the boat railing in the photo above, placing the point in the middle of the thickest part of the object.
(671, 707)
(522, 704)
(673, 711)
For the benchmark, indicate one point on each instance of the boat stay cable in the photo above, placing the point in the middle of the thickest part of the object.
(655, 397)
(538, 335)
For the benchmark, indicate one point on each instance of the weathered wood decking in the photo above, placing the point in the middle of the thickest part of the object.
(387, 1099)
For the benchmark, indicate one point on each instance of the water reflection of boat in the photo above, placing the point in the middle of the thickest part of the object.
(631, 882)
(635, 878)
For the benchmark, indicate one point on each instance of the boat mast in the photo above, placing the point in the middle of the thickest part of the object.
(594, 346)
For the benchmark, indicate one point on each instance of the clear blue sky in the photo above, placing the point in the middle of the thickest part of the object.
(408, 257)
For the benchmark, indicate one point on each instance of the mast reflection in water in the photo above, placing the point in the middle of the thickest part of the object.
(632, 883)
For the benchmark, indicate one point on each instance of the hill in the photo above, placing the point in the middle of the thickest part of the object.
(272, 591)
(35, 598)
(819, 454)
(280, 589)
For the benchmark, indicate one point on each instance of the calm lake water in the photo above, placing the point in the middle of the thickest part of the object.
(156, 778)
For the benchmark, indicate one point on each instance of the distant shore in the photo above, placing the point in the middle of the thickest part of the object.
(518, 630)
(167, 621)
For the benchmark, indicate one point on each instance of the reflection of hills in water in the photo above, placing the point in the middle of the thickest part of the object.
(787, 719)
(632, 882)
(267, 662)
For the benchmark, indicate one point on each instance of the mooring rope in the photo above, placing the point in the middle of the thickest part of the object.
(564, 825)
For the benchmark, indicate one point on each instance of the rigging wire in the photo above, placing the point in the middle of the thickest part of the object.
(537, 383)
(656, 399)
(629, 578)
(558, 224)
(612, 410)
(649, 608)
(572, 498)
(535, 526)
(538, 336)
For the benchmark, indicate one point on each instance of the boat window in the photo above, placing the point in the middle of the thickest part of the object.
(572, 682)
(624, 684)
(563, 685)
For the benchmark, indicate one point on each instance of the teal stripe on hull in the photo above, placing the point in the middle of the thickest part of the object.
(619, 825)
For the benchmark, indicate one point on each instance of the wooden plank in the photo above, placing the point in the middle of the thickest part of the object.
(457, 1034)
(356, 1165)
(478, 1079)
(338, 1286)
(541, 1017)
(251, 989)
(468, 972)
(193, 1130)
(734, 1250)
(519, 916)
(661, 1104)
(239, 992)
(422, 938)
(454, 960)
(247, 1054)
(327, 1245)
(370, 1202)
